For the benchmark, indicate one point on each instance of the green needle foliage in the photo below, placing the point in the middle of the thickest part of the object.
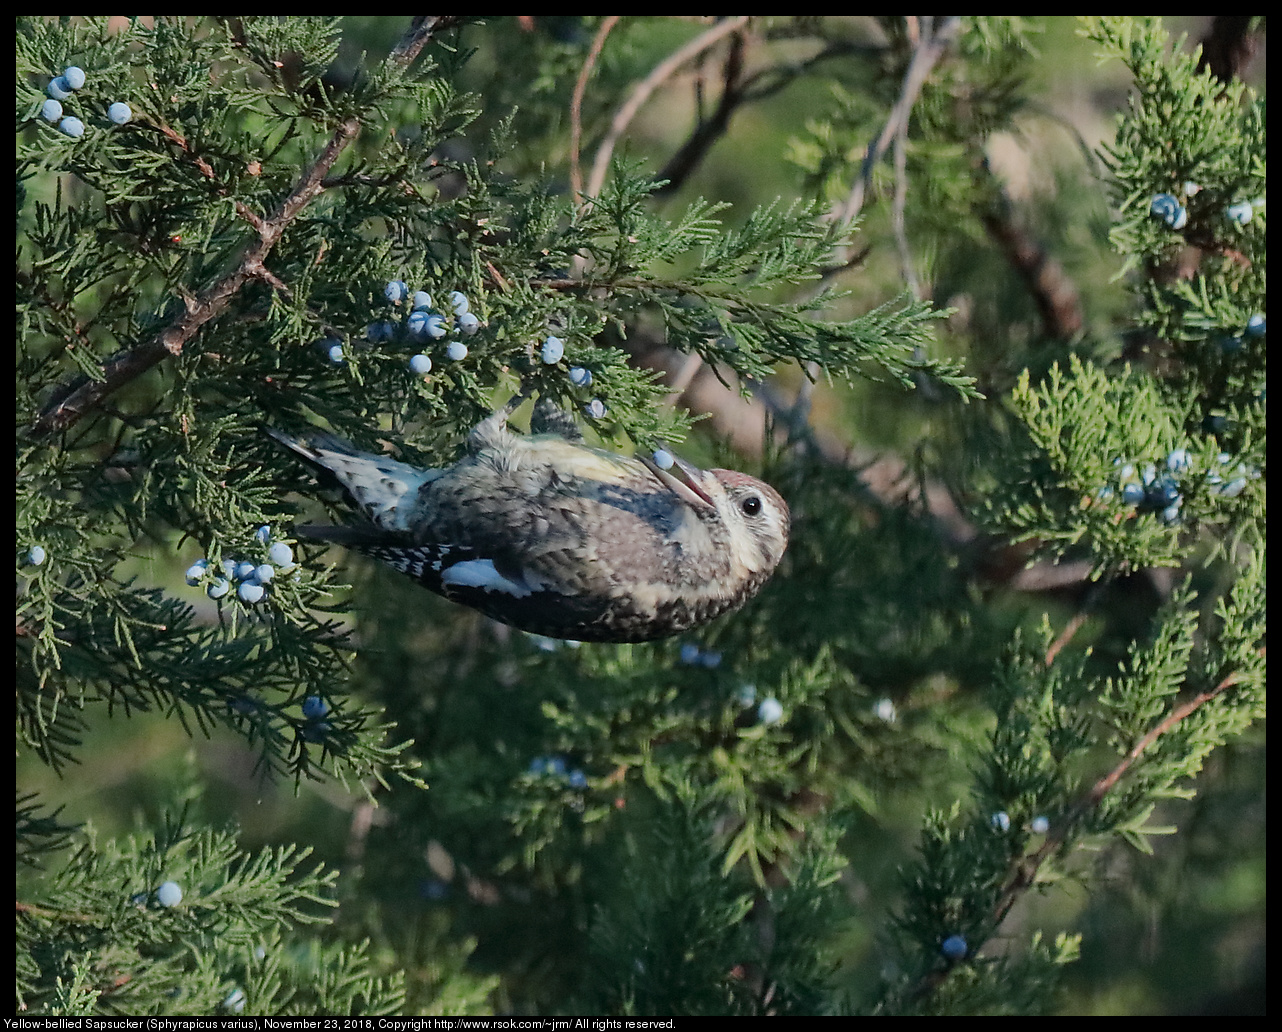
(1006, 675)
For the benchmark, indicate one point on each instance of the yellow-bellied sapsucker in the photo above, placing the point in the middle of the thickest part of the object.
(544, 533)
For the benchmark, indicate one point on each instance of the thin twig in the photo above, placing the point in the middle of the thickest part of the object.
(576, 105)
(54, 915)
(684, 377)
(1093, 596)
(899, 208)
(421, 29)
(664, 70)
(766, 82)
(761, 84)
(679, 166)
(1025, 872)
(925, 56)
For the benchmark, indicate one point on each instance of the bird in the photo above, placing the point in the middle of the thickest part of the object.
(549, 535)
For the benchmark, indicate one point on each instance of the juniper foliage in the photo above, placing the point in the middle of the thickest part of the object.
(530, 826)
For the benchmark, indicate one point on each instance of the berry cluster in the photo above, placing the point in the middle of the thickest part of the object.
(170, 894)
(692, 655)
(1000, 821)
(251, 579)
(1230, 482)
(554, 767)
(60, 88)
(317, 727)
(423, 323)
(1171, 211)
(1158, 490)
(1168, 208)
(770, 711)
(551, 351)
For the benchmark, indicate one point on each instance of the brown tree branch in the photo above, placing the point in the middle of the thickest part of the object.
(75, 399)
(71, 401)
(765, 82)
(661, 72)
(1024, 874)
(1053, 291)
(421, 30)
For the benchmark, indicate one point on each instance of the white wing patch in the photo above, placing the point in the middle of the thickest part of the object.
(480, 573)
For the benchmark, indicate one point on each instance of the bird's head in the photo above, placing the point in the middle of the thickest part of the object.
(754, 516)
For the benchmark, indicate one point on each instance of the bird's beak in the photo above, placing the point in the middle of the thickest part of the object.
(684, 484)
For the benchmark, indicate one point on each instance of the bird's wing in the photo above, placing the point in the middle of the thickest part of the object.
(575, 521)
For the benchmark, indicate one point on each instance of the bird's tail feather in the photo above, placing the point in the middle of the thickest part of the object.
(385, 489)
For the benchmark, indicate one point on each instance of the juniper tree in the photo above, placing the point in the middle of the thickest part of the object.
(1013, 645)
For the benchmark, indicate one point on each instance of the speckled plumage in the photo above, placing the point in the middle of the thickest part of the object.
(551, 536)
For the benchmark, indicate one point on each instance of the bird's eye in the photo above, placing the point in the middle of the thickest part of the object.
(750, 505)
